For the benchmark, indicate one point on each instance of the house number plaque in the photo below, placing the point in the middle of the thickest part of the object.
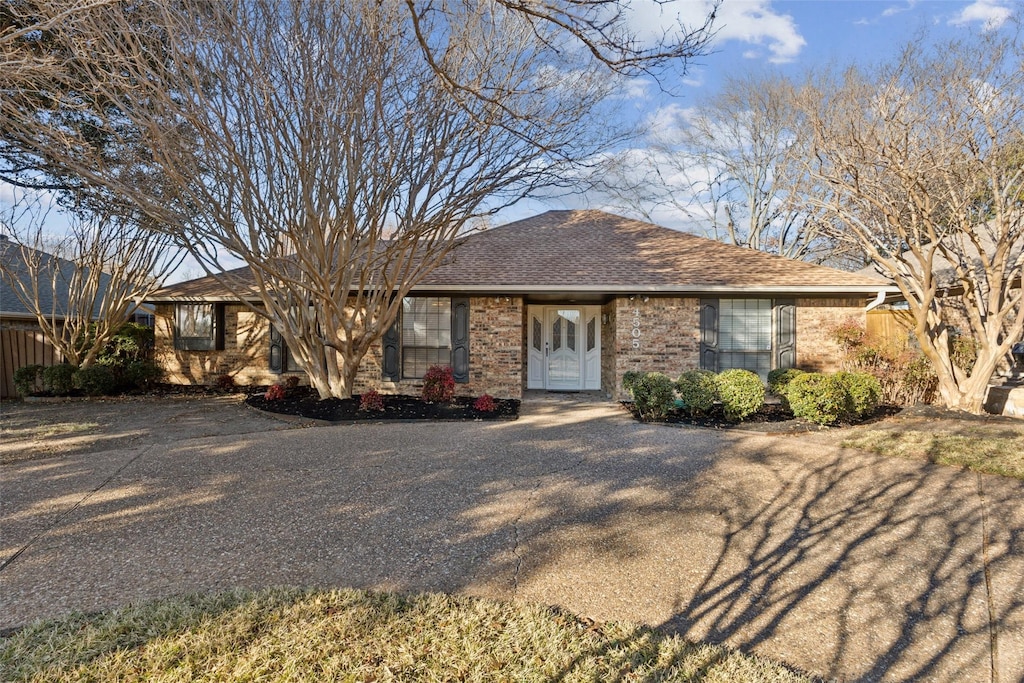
(636, 328)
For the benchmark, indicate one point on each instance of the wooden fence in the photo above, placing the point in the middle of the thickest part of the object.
(22, 344)
(891, 326)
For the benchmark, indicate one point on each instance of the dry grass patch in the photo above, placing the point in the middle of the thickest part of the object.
(349, 635)
(987, 449)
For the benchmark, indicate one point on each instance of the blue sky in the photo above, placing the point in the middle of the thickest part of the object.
(789, 36)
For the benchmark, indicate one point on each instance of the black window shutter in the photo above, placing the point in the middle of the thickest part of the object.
(218, 327)
(460, 339)
(276, 350)
(785, 333)
(709, 334)
(390, 361)
(179, 343)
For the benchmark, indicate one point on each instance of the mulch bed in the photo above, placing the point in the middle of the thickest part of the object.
(305, 403)
(772, 418)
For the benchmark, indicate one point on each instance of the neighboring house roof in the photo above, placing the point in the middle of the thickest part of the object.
(569, 252)
(13, 262)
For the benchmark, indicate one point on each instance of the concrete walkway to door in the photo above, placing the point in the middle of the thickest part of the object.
(837, 562)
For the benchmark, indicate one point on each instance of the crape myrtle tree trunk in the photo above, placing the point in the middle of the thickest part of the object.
(921, 160)
(82, 283)
(338, 149)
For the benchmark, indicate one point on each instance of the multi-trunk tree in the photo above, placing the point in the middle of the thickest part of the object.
(338, 149)
(921, 163)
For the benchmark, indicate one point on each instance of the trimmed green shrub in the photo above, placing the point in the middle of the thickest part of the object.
(95, 380)
(863, 392)
(779, 379)
(741, 393)
(57, 379)
(654, 396)
(132, 342)
(143, 374)
(698, 390)
(630, 378)
(822, 399)
(26, 378)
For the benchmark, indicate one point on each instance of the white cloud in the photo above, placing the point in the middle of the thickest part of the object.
(747, 21)
(899, 9)
(755, 22)
(991, 14)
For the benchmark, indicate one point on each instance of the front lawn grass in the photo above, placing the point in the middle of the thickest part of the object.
(348, 635)
(990, 450)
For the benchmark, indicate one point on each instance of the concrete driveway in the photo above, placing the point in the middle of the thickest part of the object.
(839, 563)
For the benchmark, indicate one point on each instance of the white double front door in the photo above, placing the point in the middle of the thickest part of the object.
(564, 345)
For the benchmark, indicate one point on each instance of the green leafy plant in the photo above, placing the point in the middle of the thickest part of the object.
(485, 404)
(822, 399)
(698, 390)
(905, 375)
(863, 392)
(654, 396)
(274, 393)
(95, 380)
(371, 401)
(27, 379)
(438, 384)
(143, 374)
(741, 393)
(630, 378)
(57, 379)
(779, 379)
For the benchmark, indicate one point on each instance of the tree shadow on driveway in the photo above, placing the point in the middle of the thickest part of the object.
(836, 562)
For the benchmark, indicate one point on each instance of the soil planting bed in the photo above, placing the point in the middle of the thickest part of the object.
(305, 403)
(770, 419)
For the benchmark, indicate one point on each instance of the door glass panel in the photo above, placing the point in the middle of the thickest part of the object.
(564, 357)
(591, 334)
(537, 334)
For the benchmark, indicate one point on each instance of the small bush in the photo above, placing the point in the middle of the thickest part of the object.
(57, 379)
(741, 393)
(963, 351)
(143, 374)
(26, 378)
(95, 380)
(274, 393)
(225, 383)
(698, 390)
(863, 392)
(438, 384)
(485, 404)
(822, 399)
(630, 378)
(779, 379)
(131, 342)
(654, 396)
(371, 400)
(291, 383)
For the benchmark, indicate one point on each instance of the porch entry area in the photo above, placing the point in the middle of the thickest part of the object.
(564, 347)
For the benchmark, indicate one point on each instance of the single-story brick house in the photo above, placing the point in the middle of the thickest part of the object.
(563, 301)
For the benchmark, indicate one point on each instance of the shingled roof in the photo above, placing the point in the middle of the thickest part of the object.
(595, 251)
(53, 291)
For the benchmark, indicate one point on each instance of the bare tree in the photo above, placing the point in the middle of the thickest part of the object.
(920, 158)
(732, 164)
(80, 284)
(316, 143)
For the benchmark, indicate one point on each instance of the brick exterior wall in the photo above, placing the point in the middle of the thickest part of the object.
(245, 357)
(496, 361)
(668, 340)
(815, 319)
